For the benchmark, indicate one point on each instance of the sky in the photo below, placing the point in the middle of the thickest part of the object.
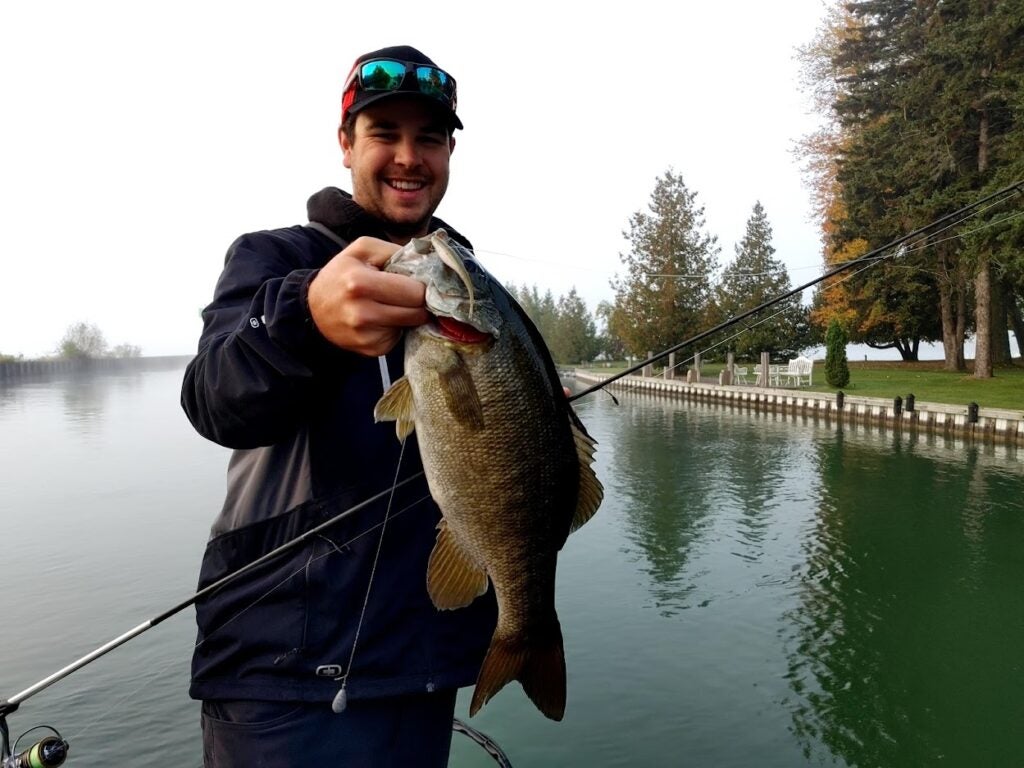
(140, 139)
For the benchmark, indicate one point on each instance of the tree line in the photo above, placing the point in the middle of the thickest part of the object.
(84, 340)
(670, 292)
(923, 110)
(923, 107)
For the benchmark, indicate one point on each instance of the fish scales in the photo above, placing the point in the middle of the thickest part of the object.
(506, 460)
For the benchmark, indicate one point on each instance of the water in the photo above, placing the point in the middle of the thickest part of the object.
(755, 589)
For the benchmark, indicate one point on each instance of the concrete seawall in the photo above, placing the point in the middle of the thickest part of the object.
(989, 425)
(23, 370)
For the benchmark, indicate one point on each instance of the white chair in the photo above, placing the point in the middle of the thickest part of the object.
(805, 371)
(775, 374)
(798, 371)
(739, 374)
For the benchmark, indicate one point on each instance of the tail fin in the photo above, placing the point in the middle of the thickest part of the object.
(539, 665)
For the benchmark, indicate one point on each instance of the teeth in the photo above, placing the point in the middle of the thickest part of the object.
(406, 185)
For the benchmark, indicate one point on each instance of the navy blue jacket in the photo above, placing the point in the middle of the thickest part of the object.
(299, 414)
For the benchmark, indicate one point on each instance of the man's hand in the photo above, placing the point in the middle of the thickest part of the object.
(359, 308)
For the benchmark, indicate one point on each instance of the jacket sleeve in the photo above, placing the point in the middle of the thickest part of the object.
(250, 382)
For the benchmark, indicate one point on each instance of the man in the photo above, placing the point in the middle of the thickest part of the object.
(287, 374)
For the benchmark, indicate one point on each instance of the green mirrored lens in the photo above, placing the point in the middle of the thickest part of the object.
(382, 75)
(434, 82)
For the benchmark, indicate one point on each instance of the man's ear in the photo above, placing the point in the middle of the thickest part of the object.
(451, 144)
(346, 148)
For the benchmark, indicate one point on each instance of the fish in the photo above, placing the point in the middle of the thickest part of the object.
(506, 458)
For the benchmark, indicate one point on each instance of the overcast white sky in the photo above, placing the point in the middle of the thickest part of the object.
(140, 139)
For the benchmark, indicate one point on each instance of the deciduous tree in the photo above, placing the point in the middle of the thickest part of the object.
(82, 340)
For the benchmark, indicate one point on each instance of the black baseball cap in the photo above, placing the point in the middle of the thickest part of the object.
(386, 72)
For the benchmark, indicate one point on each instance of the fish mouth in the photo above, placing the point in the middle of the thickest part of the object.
(457, 331)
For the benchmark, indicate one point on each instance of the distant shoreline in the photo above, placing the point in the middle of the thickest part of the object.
(21, 370)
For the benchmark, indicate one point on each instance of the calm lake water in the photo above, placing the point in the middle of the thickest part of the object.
(756, 590)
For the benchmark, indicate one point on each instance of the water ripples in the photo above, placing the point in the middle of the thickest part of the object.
(886, 566)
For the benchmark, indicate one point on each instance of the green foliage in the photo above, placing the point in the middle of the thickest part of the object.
(10, 358)
(925, 103)
(666, 293)
(930, 383)
(753, 278)
(540, 309)
(566, 325)
(82, 340)
(837, 372)
(575, 336)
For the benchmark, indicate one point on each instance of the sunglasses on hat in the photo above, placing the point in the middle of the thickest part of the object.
(383, 75)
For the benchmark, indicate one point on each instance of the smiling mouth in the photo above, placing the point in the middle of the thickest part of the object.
(406, 185)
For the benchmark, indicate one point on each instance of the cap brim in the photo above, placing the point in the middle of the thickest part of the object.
(367, 100)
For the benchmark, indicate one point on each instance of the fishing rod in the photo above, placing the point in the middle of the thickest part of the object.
(1016, 187)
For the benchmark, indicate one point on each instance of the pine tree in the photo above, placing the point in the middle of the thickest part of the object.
(540, 309)
(754, 277)
(666, 294)
(575, 335)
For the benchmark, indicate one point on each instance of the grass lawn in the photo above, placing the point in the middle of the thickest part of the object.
(930, 383)
(927, 381)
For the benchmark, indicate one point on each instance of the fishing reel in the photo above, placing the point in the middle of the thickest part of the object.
(48, 752)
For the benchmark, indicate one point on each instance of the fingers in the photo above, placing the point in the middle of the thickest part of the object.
(385, 288)
(359, 308)
(371, 251)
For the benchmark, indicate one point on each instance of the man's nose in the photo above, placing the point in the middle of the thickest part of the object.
(407, 152)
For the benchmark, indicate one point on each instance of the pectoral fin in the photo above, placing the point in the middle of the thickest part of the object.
(460, 395)
(397, 405)
(453, 579)
(591, 492)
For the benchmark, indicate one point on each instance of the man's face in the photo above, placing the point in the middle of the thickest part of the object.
(399, 162)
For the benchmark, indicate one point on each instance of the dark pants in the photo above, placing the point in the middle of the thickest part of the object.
(377, 733)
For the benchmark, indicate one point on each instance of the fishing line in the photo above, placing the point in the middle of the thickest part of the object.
(745, 329)
(876, 255)
(341, 699)
(488, 744)
(929, 242)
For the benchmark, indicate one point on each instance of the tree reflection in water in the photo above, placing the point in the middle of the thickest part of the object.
(906, 645)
